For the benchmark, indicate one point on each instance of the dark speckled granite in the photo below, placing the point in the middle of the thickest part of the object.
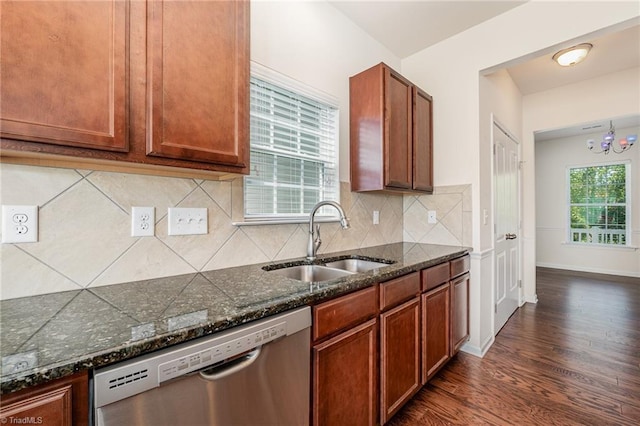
(61, 333)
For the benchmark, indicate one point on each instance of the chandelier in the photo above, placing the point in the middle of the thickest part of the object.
(608, 138)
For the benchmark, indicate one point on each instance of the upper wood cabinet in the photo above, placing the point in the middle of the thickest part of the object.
(198, 81)
(64, 73)
(144, 84)
(391, 133)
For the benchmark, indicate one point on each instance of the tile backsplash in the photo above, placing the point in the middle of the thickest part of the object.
(85, 224)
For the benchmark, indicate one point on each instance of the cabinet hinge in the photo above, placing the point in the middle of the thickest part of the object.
(520, 283)
(495, 308)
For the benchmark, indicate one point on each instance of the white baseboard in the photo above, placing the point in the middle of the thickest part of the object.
(478, 351)
(587, 269)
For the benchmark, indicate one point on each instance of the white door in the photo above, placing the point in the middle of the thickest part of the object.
(507, 200)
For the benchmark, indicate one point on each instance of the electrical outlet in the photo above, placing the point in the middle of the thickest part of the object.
(143, 221)
(187, 221)
(431, 216)
(16, 363)
(19, 224)
(376, 217)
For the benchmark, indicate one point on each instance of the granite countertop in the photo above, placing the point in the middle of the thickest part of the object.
(54, 335)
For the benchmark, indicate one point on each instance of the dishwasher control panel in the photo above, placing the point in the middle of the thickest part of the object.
(212, 355)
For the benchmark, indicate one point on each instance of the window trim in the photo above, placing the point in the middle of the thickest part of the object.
(628, 203)
(237, 188)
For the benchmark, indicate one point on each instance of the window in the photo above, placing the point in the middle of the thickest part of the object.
(293, 151)
(599, 204)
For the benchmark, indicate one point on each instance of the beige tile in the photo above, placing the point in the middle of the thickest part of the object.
(453, 221)
(346, 196)
(407, 201)
(467, 203)
(270, 238)
(442, 204)
(81, 232)
(21, 275)
(229, 255)
(220, 191)
(415, 221)
(373, 201)
(467, 229)
(129, 190)
(296, 245)
(449, 189)
(197, 250)
(32, 185)
(373, 238)
(147, 259)
(390, 223)
(440, 235)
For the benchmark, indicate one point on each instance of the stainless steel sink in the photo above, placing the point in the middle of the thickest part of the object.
(311, 273)
(356, 265)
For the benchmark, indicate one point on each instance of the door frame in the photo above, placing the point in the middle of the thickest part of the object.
(497, 123)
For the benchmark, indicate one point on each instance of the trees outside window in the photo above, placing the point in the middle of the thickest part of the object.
(599, 204)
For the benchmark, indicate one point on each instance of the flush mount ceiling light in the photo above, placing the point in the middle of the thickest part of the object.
(608, 138)
(572, 55)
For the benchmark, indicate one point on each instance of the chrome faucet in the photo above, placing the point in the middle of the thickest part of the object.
(314, 235)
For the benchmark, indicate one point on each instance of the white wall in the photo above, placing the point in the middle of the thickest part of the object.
(311, 41)
(610, 96)
(450, 71)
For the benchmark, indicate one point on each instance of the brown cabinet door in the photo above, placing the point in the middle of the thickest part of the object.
(422, 141)
(435, 330)
(198, 81)
(344, 388)
(459, 312)
(398, 139)
(63, 402)
(63, 71)
(399, 357)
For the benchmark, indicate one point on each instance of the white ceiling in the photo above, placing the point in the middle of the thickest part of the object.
(409, 26)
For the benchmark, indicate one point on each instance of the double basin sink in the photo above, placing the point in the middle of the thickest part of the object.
(330, 270)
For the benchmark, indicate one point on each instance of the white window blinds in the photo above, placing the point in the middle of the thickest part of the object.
(293, 153)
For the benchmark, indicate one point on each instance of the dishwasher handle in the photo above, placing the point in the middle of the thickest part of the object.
(226, 370)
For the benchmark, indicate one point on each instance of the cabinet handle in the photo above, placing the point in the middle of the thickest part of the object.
(511, 236)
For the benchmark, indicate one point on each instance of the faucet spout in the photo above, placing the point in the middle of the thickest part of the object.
(314, 241)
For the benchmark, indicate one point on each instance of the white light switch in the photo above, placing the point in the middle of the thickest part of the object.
(376, 217)
(187, 221)
(431, 216)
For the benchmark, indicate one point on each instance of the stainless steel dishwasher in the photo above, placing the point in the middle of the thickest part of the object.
(255, 374)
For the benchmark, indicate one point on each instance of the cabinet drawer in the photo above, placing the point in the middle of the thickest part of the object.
(398, 290)
(460, 265)
(344, 312)
(434, 276)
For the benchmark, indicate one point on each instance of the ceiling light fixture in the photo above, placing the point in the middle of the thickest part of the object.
(607, 145)
(572, 55)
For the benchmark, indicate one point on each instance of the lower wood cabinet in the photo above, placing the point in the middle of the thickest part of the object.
(344, 378)
(436, 312)
(373, 349)
(60, 402)
(399, 357)
(344, 382)
(459, 312)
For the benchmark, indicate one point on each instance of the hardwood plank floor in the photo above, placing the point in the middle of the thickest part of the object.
(571, 359)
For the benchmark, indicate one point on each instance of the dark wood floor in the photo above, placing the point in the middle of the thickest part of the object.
(571, 359)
